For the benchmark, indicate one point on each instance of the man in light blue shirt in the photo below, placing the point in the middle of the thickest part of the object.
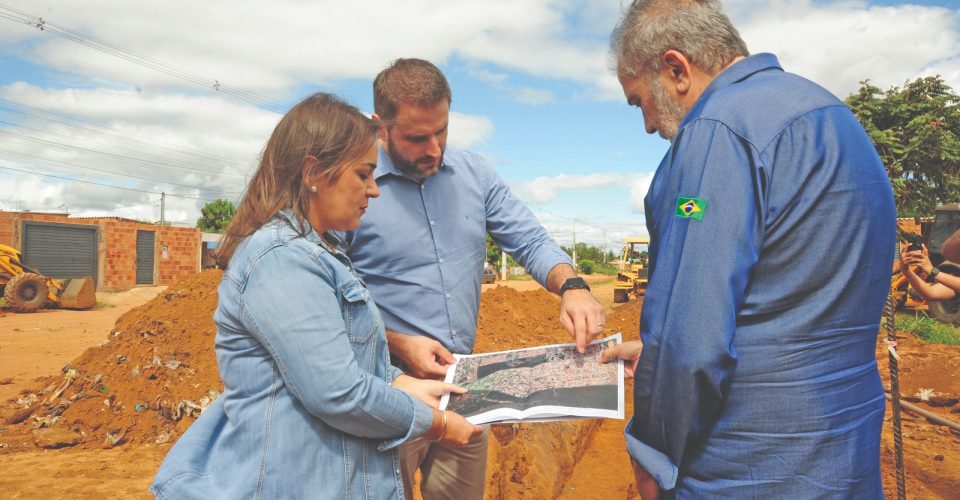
(421, 248)
(772, 229)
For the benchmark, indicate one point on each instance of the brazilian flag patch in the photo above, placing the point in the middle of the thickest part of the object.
(691, 208)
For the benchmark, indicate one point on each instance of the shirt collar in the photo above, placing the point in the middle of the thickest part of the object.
(738, 71)
(311, 235)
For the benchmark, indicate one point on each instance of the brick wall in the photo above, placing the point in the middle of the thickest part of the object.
(117, 247)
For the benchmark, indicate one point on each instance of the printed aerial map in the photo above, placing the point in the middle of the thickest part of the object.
(551, 376)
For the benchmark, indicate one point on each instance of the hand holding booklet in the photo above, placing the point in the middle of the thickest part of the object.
(553, 382)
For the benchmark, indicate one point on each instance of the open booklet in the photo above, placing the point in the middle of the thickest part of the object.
(553, 382)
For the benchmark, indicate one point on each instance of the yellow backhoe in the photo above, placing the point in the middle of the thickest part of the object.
(632, 274)
(26, 290)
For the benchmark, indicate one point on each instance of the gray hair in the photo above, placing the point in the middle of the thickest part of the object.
(696, 28)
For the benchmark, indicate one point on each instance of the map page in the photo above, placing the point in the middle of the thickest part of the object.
(553, 382)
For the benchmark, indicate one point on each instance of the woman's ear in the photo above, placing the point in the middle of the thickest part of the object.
(307, 173)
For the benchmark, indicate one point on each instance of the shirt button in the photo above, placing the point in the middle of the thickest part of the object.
(454, 332)
(441, 259)
(433, 223)
(448, 295)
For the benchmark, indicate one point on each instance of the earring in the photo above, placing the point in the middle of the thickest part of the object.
(313, 189)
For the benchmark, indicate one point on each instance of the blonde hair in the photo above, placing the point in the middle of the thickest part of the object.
(322, 126)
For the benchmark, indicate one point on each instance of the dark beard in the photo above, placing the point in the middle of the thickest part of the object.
(409, 168)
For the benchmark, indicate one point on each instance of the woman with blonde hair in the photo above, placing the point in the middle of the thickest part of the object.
(311, 406)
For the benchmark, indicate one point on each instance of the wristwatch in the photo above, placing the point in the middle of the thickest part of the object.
(932, 277)
(574, 284)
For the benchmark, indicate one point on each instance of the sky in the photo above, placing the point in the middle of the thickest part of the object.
(114, 102)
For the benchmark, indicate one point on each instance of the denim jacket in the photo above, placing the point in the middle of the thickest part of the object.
(307, 410)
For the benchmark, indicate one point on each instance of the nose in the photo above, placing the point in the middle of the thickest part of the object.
(433, 147)
(648, 124)
(373, 191)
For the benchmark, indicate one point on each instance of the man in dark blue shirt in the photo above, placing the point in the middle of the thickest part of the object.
(772, 229)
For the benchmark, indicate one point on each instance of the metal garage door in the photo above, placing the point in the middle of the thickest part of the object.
(145, 257)
(61, 250)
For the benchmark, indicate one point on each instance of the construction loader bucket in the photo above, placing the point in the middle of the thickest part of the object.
(77, 293)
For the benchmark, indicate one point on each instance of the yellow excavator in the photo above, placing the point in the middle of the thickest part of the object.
(26, 290)
(632, 273)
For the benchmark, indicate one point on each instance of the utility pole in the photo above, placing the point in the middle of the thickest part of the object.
(163, 200)
(604, 233)
(574, 245)
(503, 265)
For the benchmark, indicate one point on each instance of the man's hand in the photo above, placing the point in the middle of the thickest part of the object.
(646, 485)
(582, 316)
(428, 391)
(629, 352)
(424, 357)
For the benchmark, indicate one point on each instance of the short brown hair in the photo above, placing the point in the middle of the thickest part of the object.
(322, 126)
(408, 81)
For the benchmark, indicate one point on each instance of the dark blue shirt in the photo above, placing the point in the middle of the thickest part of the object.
(758, 376)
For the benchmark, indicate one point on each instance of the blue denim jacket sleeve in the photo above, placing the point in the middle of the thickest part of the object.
(517, 231)
(303, 328)
(699, 274)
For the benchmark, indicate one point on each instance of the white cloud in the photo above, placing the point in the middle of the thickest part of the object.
(840, 44)
(467, 131)
(544, 189)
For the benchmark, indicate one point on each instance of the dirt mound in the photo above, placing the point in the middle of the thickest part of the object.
(144, 384)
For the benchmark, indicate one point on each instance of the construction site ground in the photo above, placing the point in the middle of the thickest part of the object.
(90, 401)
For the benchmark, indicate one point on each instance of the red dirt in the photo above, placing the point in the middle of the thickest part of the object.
(160, 357)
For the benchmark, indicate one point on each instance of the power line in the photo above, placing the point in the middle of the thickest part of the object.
(108, 172)
(108, 185)
(95, 128)
(139, 59)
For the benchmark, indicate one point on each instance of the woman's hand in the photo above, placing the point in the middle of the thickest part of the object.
(916, 258)
(428, 391)
(452, 430)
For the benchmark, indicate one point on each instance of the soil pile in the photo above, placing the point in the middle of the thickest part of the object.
(145, 384)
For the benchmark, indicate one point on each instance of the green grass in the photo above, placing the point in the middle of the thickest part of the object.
(102, 304)
(928, 329)
(3, 302)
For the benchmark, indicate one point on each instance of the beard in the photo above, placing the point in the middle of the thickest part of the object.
(669, 111)
(410, 167)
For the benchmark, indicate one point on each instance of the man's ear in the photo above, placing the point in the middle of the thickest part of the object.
(382, 133)
(679, 70)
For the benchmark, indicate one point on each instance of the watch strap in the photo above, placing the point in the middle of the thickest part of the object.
(932, 277)
(576, 283)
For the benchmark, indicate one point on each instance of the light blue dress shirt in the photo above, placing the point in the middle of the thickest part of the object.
(421, 246)
(307, 410)
(758, 377)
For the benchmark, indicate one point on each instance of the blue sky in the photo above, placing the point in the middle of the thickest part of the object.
(531, 91)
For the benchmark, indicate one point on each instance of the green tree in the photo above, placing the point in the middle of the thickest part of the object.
(493, 252)
(215, 216)
(916, 131)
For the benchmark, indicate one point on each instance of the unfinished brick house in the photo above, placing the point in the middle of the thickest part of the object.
(119, 253)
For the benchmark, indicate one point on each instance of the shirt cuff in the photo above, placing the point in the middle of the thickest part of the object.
(392, 373)
(422, 420)
(653, 461)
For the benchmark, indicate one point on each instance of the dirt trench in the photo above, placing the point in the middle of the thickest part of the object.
(101, 426)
